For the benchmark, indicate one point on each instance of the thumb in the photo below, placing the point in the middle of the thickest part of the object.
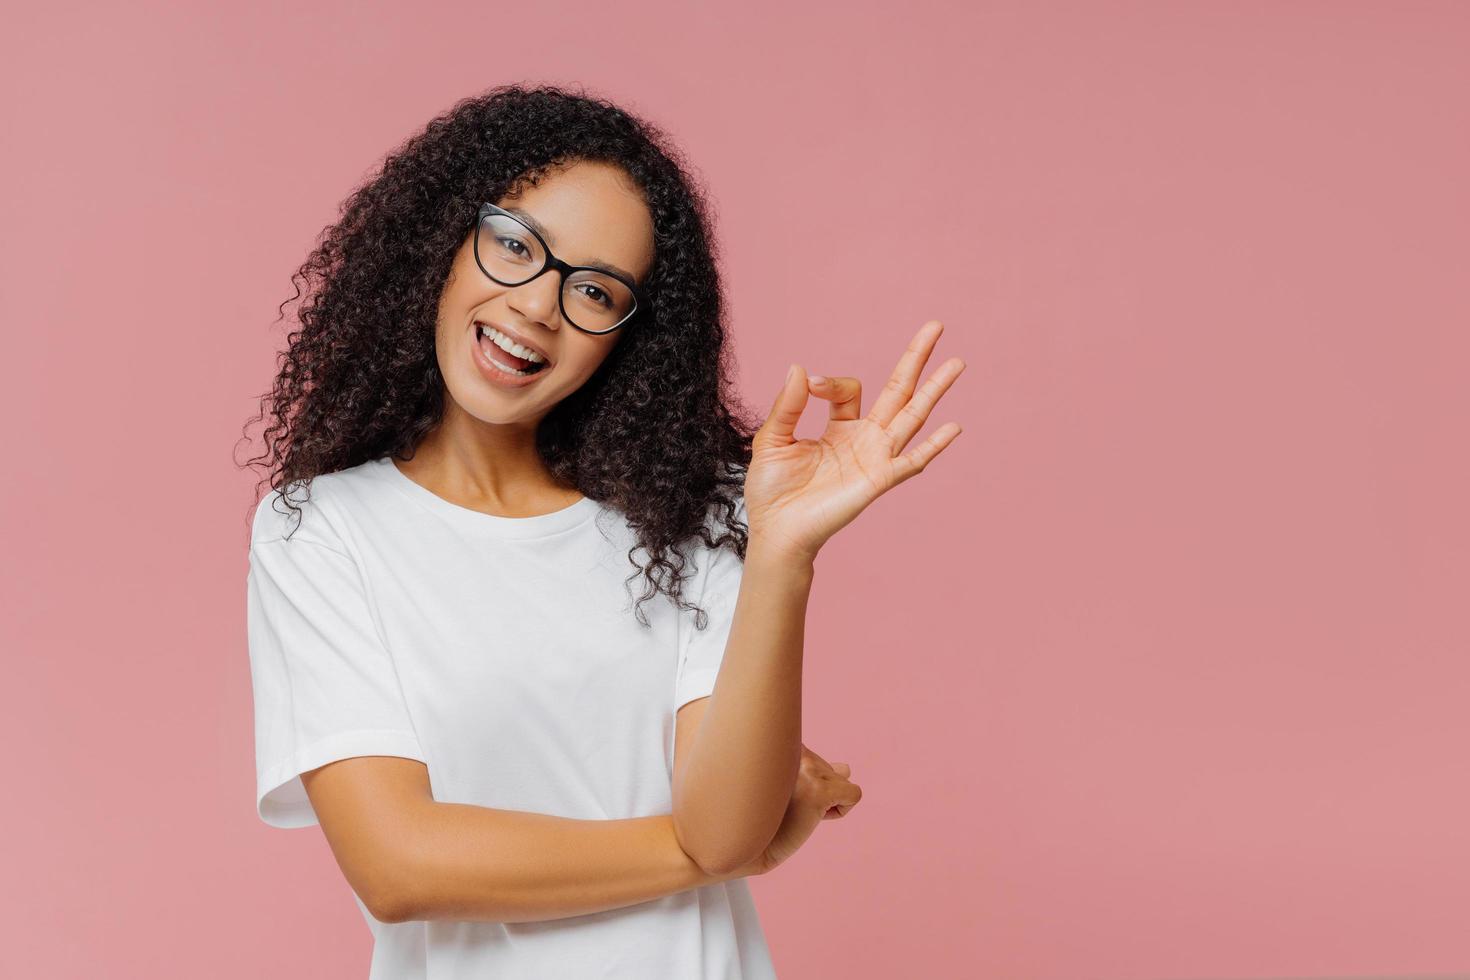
(780, 426)
(846, 793)
(844, 798)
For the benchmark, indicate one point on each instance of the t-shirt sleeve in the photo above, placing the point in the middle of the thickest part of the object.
(703, 650)
(325, 685)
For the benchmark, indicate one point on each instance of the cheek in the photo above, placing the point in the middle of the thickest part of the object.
(445, 341)
(587, 358)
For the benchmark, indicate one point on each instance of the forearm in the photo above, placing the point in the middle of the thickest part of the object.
(469, 862)
(731, 794)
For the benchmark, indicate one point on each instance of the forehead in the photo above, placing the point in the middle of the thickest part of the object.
(589, 215)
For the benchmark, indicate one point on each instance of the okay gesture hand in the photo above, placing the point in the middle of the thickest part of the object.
(800, 492)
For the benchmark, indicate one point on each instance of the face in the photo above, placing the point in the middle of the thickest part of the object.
(592, 213)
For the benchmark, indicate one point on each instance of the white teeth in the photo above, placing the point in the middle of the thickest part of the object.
(506, 367)
(505, 343)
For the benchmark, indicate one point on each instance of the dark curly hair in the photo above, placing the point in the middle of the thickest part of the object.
(658, 432)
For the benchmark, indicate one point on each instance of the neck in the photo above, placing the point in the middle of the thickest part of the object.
(486, 466)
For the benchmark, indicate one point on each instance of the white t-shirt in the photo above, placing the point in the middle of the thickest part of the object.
(503, 654)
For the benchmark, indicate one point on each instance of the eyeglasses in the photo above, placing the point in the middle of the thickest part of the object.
(594, 299)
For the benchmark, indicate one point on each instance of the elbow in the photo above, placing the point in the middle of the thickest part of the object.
(388, 890)
(715, 861)
(714, 865)
(725, 865)
(387, 910)
(387, 903)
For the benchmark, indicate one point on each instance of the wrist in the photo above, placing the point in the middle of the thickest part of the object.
(760, 550)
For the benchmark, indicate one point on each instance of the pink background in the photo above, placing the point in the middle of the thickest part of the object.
(1160, 670)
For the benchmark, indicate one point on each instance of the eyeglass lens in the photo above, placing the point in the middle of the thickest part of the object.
(510, 254)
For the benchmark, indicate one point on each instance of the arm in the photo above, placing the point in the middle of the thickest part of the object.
(743, 763)
(410, 857)
(734, 778)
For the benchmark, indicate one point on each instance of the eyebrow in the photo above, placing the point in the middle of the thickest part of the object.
(541, 230)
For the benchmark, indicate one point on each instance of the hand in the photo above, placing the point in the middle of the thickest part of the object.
(823, 791)
(800, 492)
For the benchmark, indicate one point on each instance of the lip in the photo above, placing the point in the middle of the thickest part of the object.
(494, 375)
(520, 339)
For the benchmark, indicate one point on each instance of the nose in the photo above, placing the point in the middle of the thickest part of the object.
(538, 300)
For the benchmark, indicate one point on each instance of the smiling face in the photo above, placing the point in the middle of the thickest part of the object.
(591, 213)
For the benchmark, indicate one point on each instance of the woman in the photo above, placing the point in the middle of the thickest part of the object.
(511, 377)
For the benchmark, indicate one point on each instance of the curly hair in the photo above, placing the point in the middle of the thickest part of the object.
(658, 432)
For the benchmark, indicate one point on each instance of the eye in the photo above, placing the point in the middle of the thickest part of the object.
(604, 300)
(513, 241)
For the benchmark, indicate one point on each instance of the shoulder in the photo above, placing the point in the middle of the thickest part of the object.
(308, 509)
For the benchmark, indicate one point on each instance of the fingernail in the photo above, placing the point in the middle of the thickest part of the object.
(791, 372)
(816, 379)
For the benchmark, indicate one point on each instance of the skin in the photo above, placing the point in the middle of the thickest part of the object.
(483, 454)
(732, 783)
(747, 793)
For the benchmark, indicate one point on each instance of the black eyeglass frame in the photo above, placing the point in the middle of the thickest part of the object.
(640, 298)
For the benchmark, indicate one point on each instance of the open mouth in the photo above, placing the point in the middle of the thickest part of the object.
(494, 345)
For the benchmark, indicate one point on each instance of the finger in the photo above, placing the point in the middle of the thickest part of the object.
(846, 794)
(900, 384)
(911, 417)
(842, 769)
(780, 426)
(841, 801)
(845, 394)
(913, 462)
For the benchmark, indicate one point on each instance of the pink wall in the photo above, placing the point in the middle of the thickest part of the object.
(1159, 671)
